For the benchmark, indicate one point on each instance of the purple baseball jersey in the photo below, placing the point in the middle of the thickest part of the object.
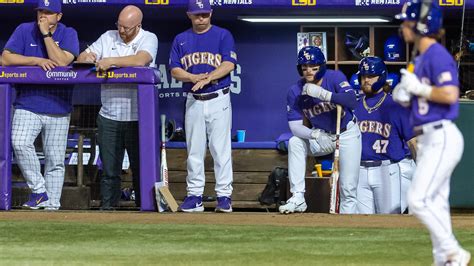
(27, 40)
(203, 53)
(435, 67)
(321, 114)
(385, 130)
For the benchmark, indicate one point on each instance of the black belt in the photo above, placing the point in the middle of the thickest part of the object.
(373, 163)
(419, 131)
(210, 96)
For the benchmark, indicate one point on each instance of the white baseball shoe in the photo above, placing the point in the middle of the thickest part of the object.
(462, 258)
(294, 204)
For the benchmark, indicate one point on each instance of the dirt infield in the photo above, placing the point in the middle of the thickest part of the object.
(236, 218)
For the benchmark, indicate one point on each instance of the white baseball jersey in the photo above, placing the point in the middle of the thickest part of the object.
(119, 101)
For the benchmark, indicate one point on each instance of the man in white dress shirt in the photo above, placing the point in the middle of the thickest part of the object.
(117, 121)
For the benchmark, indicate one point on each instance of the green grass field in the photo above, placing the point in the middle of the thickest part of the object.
(75, 243)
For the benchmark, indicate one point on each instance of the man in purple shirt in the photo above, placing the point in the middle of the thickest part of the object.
(385, 135)
(203, 57)
(433, 93)
(311, 113)
(42, 109)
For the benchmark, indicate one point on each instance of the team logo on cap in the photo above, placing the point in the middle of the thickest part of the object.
(365, 66)
(46, 3)
(199, 3)
(307, 55)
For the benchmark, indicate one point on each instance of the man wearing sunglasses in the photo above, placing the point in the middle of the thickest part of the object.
(42, 109)
(127, 46)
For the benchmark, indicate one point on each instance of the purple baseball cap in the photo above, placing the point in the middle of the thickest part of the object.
(199, 7)
(50, 5)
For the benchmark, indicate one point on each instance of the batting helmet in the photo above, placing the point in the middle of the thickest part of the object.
(393, 79)
(311, 55)
(394, 49)
(357, 44)
(354, 81)
(373, 65)
(428, 21)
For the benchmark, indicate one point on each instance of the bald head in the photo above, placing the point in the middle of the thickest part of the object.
(129, 23)
(130, 15)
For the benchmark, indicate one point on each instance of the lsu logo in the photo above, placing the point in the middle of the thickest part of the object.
(199, 3)
(12, 1)
(157, 2)
(451, 2)
(303, 2)
(366, 66)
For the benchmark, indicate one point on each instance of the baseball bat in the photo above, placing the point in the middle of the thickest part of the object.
(164, 162)
(334, 201)
(164, 198)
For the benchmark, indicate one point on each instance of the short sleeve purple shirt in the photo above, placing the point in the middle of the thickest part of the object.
(435, 67)
(321, 114)
(203, 53)
(44, 99)
(385, 130)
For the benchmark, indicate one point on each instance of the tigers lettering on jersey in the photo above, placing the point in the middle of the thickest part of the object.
(322, 107)
(376, 127)
(201, 58)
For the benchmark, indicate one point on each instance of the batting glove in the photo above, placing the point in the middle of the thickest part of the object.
(413, 84)
(326, 143)
(401, 95)
(316, 91)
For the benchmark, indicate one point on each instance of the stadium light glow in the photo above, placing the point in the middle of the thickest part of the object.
(314, 19)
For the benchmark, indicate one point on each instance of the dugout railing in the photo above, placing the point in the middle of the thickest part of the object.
(148, 116)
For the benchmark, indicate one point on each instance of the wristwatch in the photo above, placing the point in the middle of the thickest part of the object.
(47, 35)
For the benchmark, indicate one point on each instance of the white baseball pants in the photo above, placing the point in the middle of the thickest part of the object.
(439, 151)
(350, 144)
(407, 169)
(26, 126)
(378, 191)
(211, 119)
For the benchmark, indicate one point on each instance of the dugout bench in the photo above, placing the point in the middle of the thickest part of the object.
(252, 164)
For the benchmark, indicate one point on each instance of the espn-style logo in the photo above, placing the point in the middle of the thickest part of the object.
(451, 2)
(303, 2)
(156, 2)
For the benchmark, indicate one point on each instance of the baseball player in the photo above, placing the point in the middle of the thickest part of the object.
(432, 92)
(312, 120)
(203, 57)
(385, 133)
(117, 122)
(42, 109)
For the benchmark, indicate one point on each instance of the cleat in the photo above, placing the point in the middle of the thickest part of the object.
(462, 258)
(292, 205)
